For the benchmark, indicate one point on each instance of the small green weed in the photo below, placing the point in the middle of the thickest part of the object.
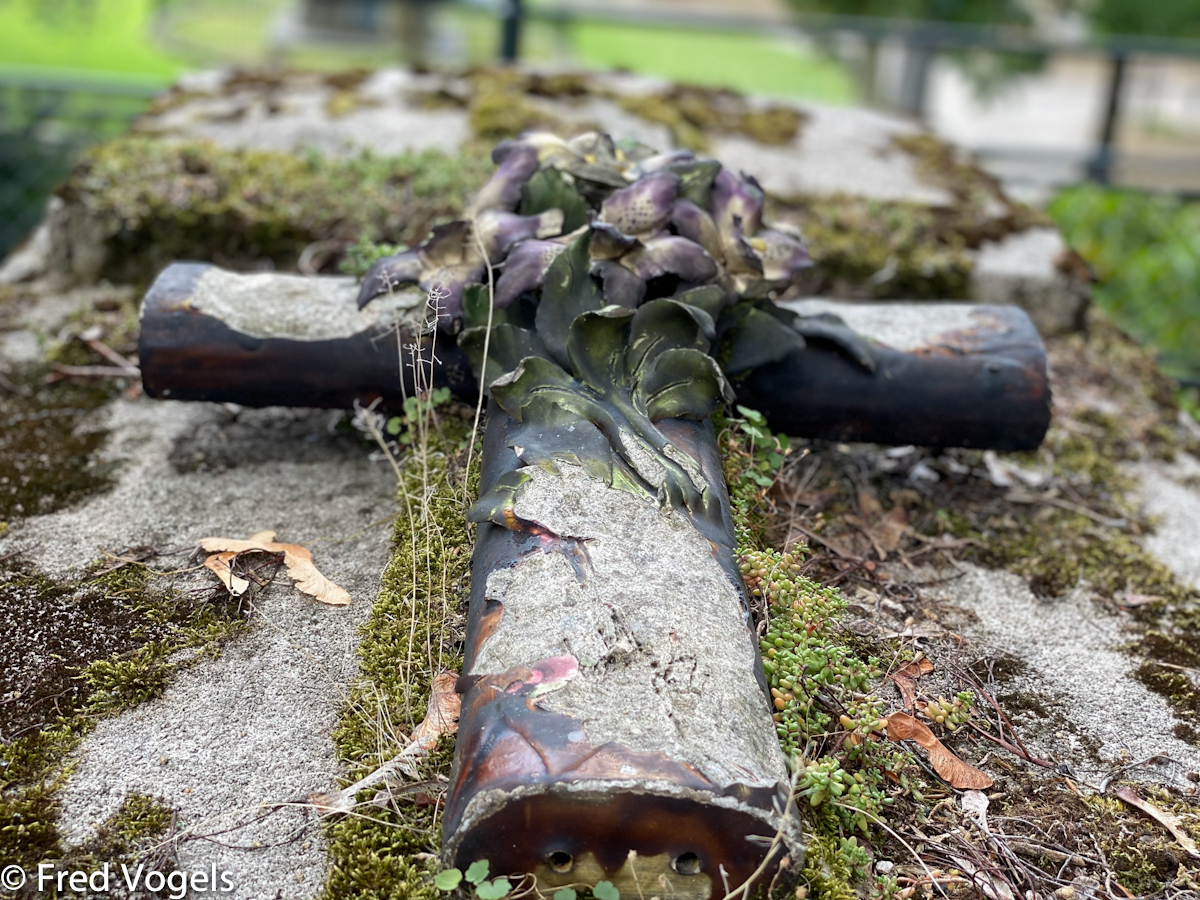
(826, 716)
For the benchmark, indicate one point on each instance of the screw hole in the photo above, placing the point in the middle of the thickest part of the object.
(687, 864)
(560, 861)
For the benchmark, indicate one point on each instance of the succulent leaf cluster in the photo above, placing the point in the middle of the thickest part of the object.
(603, 281)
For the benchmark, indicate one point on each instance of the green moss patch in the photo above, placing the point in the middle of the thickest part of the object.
(91, 647)
(415, 631)
(46, 444)
(693, 112)
(905, 250)
(153, 201)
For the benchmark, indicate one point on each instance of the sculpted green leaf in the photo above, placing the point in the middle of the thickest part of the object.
(549, 190)
(828, 327)
(475, 306)
(665, 325)
(712, 298)
(596, 347)
(695, 179)
(507, 347)
(568, 290)
(536, 377)
(757, 339)
(682, 383)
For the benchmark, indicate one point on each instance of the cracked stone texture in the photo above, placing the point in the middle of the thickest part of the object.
(1171, 493)
(656, 625)
(233, 736)
(1097, 714)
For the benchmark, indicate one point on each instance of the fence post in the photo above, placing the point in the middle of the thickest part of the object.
(914, 83)
(1100, 166)
(510, 24)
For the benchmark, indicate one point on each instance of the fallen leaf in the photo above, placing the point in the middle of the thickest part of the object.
(983, 879)
(297, 559)
(1130, 599)
(219, 564)
(884, 530)
(915, 668)
(869, 504)
(1167, 820)
(1004, 473)
(905, 678)
(903, 727)
(445, 704)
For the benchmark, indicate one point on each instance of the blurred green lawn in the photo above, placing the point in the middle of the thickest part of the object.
(115, 36)
(108, 35)
(754, 63)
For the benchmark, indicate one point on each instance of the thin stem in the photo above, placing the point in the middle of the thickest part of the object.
(487, 338)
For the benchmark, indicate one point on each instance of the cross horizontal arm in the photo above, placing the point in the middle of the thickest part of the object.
(948, 374)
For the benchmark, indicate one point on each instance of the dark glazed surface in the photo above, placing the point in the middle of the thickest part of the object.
(984, 388)
(187, 355)
(987, 388)
(507, 743)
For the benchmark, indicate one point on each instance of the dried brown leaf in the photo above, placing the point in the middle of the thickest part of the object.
(441, 718)
(445, 704)
(869, 504)
(1167, 820)
(915, 668)
(964, 776)
(1130, 599)
(904, 678)
(887, 534)
(884, 530)
(908, 689)
(219, 563)
(296, 558)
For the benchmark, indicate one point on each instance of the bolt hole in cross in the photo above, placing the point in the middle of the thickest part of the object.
(686, 864)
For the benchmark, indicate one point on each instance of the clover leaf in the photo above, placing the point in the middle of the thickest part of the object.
(477, 871)
(496, 889)
(447, 879)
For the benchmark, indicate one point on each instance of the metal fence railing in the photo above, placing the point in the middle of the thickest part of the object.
(46, 120)
(924, 41)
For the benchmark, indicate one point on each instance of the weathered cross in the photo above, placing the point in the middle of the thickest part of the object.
(610, 299)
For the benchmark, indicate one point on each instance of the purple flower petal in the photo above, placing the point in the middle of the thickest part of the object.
(517, 162)
(389, 273)
(644, 206)
(608, 242)
(500, 230)
(783, 257)
(736, 198)
(621, 286)
(671, 255)
(740, 257)
(449, 245)
(525, 268)
(696, 225)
